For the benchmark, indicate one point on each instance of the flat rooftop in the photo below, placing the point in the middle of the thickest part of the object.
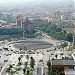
(63, 62)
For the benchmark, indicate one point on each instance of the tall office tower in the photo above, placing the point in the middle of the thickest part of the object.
(27, 25)
(19, 20)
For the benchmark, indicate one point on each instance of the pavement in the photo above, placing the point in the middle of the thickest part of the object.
(43, 54)
(69, 72)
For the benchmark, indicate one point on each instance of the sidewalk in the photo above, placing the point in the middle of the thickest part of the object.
(69, 72)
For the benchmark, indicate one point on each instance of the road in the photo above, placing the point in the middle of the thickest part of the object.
(45, 52)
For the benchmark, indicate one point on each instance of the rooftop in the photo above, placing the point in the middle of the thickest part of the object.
(63, 62)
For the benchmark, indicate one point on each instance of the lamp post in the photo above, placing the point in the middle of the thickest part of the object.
(23, 31)
(43, 68)
(23, 34)
(42, 64)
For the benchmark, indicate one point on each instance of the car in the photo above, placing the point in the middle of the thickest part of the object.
(0, 49)
(5, 60)
(40, 60)
(13, 64)
(9, 54)
(9, 46)
(47, 50)
(14, 52)
(54, 48)
(5, 54)
(61, 53)
(33, 53)
(37, 52)
(11, 50)
(51, 54)
(5, 48)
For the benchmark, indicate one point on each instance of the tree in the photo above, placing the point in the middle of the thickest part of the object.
(57, 72)
(55, 31)
(26, 63)
(20, 49)
(27, 72)
(32, 62)
(27, 56)
(8, 69)
(19, 63)
(69, 37)
(49, 64)
(10, 66)
(56, 55)
(19, 58)
(64, 45)
(49, 67)
(25, 48)
(24, 70)
(64, 31)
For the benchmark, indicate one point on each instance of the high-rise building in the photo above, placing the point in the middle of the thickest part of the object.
(27, 25)
(19, 20)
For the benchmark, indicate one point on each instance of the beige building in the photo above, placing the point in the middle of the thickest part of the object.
(19, 19)
(28, 25)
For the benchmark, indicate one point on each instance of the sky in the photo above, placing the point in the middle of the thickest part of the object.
(20, 2)
(10, 2)
(14, 1)
(6, 1)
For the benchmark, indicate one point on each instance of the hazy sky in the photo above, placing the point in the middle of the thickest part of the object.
(20, 2)
(17, 1)
(13, 1)
(9, 2)
(6, 1)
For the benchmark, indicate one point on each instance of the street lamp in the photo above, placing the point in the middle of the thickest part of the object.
(43, 68)
(23, 34)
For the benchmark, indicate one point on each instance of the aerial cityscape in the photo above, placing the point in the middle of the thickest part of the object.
(37, 37)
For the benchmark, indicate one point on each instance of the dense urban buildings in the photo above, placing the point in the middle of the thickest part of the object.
(37, 37)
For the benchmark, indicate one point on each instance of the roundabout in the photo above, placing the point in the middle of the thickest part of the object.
(31, 44)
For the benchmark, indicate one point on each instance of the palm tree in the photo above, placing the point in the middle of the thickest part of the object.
(25, 48)
(57, 72)
(56, 55)
(27, 56)
(19, 59)
(20, 49)
(27, 72)
(10, 66)
(10, 69)
(65, 44)
(49, 67)
(24, 70)
(26, 63)
(32, 62)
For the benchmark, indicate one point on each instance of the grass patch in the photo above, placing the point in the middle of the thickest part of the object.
(26, 67)
(17, 69)
(19, 64)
